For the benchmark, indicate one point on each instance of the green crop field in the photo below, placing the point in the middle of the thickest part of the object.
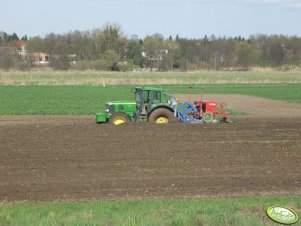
(146, 78)
(219, 211)
(85, 100)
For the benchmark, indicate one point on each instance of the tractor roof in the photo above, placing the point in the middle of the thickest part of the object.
(149, 88)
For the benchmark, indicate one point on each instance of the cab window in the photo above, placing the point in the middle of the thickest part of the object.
(155, 96)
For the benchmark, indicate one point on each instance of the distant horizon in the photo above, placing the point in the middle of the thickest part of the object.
(191, 19)
(209, 36)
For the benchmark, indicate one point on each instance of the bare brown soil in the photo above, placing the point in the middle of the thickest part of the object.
(50, 158)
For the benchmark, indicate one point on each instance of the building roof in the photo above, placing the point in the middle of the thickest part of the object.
(19, 43)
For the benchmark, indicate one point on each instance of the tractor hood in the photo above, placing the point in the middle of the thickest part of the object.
(127, 107)
(121, 103)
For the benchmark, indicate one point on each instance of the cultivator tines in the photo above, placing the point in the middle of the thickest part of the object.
(222, 112)
(222, 109)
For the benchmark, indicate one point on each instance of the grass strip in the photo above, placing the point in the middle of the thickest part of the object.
(210, 211)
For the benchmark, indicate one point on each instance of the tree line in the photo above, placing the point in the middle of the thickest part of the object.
(109, 49)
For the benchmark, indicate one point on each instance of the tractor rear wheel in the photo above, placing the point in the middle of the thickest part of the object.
(161, 116)
(119, 118)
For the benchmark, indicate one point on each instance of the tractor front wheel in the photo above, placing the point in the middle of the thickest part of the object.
(161, 116)
(119, 118)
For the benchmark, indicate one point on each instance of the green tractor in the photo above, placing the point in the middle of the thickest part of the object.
(150, 105)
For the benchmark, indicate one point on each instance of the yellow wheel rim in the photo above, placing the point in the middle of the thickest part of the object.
(161, 120)
(119, 120)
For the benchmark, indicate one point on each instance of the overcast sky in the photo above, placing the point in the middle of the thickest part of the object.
(188, 18)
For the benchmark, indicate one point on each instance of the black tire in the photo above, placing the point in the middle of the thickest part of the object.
(161, 115)
(117, 118)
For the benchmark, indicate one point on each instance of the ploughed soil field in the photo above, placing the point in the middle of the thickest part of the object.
(52, 158)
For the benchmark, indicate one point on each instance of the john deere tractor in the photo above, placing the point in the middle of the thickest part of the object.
(150, 104)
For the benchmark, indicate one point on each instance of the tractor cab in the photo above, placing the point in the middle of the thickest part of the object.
(146, 98)
(153, 105)
(145, 95)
